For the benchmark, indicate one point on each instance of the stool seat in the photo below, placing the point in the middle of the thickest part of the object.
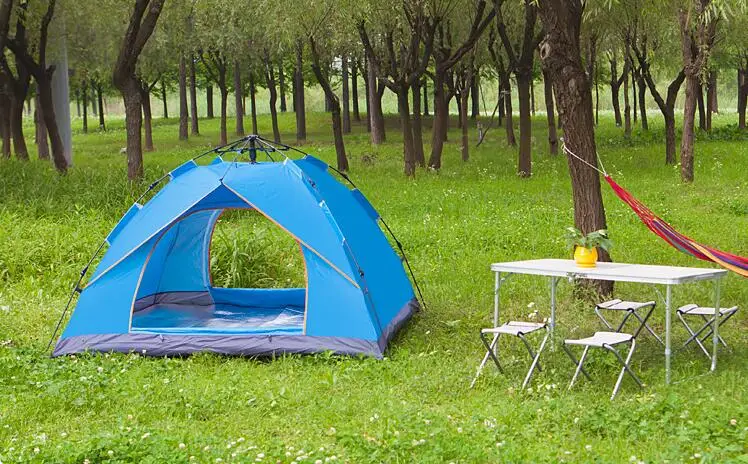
(515, 328)
(621, 305)
(695, 310)
(602, 338)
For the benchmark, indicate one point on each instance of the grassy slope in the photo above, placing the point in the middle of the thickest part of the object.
(415, 405)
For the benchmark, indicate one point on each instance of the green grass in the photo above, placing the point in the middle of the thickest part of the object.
(414, 406)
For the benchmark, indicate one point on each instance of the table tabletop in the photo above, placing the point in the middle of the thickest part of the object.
(623, 272)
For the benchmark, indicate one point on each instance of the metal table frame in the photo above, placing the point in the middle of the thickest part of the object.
(619, 272)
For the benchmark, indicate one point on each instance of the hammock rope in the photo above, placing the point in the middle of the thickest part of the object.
(665, 231)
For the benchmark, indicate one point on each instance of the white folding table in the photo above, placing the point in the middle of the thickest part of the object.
(649, 274)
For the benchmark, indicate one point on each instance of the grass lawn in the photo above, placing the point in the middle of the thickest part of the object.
(414, 406)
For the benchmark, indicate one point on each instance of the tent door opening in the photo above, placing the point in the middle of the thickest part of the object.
(223, 272)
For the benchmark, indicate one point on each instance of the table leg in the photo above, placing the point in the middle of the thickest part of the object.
(554, 281)
(668, 302)
(715, 323)
(497, 287)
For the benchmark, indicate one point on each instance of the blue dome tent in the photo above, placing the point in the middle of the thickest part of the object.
(152, 290)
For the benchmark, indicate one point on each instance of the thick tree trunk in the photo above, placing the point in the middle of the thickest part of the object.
(41, 131)
(5, 123)
(376, 117)
(417, 125)
(346, 96)
(16, 128)
(133, 121)
(183, 111)
(524, 163)
(550, 113)
(643, 102)
(299, 103)
(238, 99)
(511, 140)
(463, 101)
(475, 96)
(253, 103)
(354, 91)
(282, 87)
(439, 125)
(145, 97)
(408, 149)
(210, 114)
(687, 138)
(224, 114)
(100, 98)
(194, 116)
(562, 59)
(163, 98)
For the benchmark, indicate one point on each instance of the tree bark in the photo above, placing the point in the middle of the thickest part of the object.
(626, 101)
(367, 91)
(408, 145)
(100, 98)
(354, 91)
(642, 101)
(134, 122)
(511, 140)
(282, 86)
(145, 98)
(163, 98)
(700, 106)
(463, 102)
(270, 80)
(615, 86)
(475, 96)
(210, 114)
(346, 95)
(253, 103)
(16, 128)
(41, 131)
(299, 103)
(238, 99)
(742, 94)
(376, 117)
(562, 59)
(439, 127)
(78, 102)
(711, 98)
(550, 114)
(420, 157)
(183, 111)
(224, 114)
(532, 95)
(84, 96)
(425, 87)
(687, 139)
(524, 163)
(194, 116)
(5, 122)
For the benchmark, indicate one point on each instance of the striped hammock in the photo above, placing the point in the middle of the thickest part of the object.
(737, 264)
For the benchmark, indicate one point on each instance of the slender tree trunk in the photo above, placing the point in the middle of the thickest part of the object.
(253, 103)
(633, 94)
(532, 95)
(439, 128)
(670, 138)
(238, 99)
(614, 90)
(408, 149)
(183, 111)
(524, 165)
(85, 107)
(16, 128)
(700, 103)
(420, 158)
(78, 102)
(501, 105)
(562, 59)
(367, 99)
(337, 127)
(346, 96)
(272, 88)
(41, 131)
(210, 114)
(5, 123)
(687, 138)
(463, 102)
(742, 95)
(224, 114)
(282, 87)
(354, 91)
(511, 140)
(100, 98)
(425, 87)
(550, 113)
(643, 102)
(712, 86)
(475, 96)
(145, 98)
(375, 107)
(163, 98)
(194, 116)
(299, 101)
(626, 105)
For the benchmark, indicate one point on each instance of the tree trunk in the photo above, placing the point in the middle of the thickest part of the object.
(238, 99)
(78, 102)
(439, 128)
(16, 128)
(549, 110)
(425, 87)
(253, 103)
(712, 86)
(145, 97)
(84, 96)
(700, 102)
(626, 105)
(687, 138)
(5, 123)
(299, 104)
(134, 122)
(562, 59)
(367, 99)
(408, 149)
(282, 86)
(500, 102)
(417, 125)
(354, 91)
(100, 98)
(346, 96)
(670, 138)
(41, 131)
(742, 96)
(463, 101)
(270, 81)
(163, 98)
(210, 114)
(614, 89)
(183, 111)
(524, 164)
(475, 96)
(337, 129)
(532, 95)
(376, 117)
(224, 103)
(511, 140)
(642, 102)
(633, 94)
(194, 124)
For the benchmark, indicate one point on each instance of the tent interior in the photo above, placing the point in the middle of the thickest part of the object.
(180, 292)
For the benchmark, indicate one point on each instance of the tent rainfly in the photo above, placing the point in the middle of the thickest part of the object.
(152, 293)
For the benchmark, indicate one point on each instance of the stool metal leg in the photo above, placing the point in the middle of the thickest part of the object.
(579, 365)
(644, 325)
(489, 353)
(536, 358)
(625, 367)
